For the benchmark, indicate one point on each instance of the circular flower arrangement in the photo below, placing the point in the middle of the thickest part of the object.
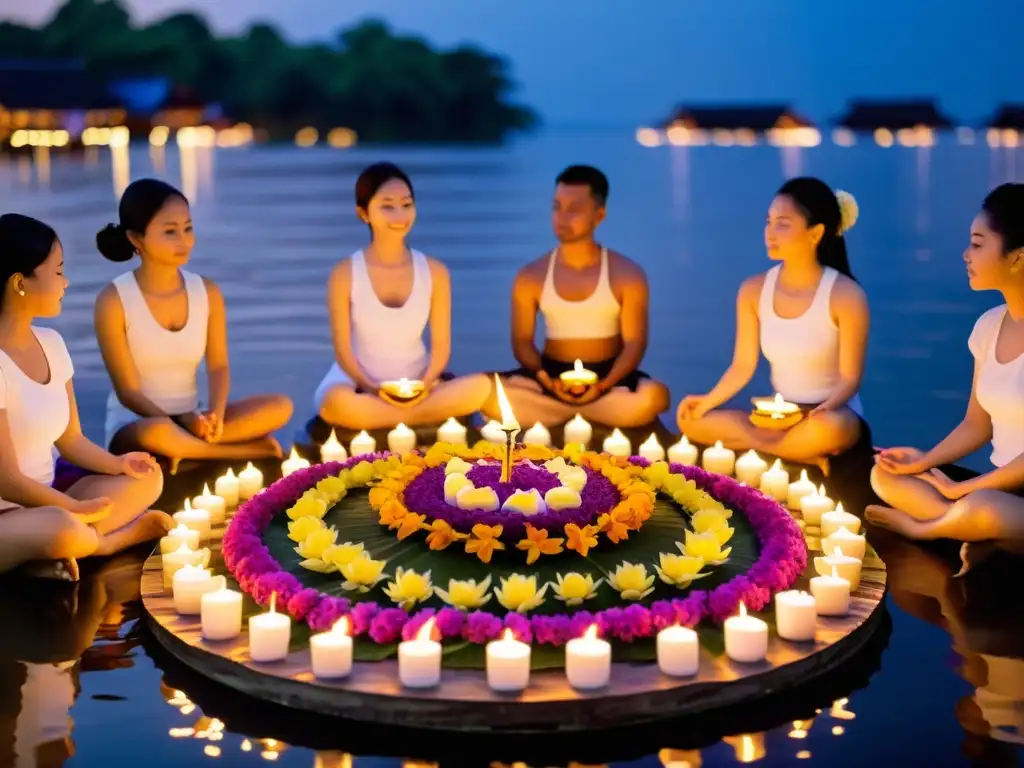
(633, 547)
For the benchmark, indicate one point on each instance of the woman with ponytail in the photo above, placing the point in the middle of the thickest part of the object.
(810, 319)
(156, 324)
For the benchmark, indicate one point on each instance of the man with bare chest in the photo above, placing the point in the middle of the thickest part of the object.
(594, 304)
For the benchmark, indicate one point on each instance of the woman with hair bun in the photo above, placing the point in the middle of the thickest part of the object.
(156, 324)
(88, 502)
(927, 495)
(810, 319)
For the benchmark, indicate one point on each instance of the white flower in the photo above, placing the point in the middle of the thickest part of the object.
(848, 211)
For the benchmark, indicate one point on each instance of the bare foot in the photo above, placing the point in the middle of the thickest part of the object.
(972, 553)
(150, 525)
(53, 570)
(894, 520)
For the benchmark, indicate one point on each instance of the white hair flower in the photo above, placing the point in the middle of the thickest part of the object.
(848, 211)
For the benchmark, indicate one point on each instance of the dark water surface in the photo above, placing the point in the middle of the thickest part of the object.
(83, 684)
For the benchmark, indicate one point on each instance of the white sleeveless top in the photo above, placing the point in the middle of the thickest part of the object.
(1000, 388)
(167, 361)
(38, 414)
(387, 341)
(595, 317)
(803, 351)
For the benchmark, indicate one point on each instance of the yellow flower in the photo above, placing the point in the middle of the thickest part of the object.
(409, 588)
(360, 474)
(342, 554)
(704, 546)
(574, 477)
(574, 452)
(679, 570)
(363, 573)
(332, 488)
(465, 595)
(712, 520)
(442, 535)
(525, 503)
(458, 466)
(307, 506)
(631, 581)
(483, 499)
(560, 497)
(299, 529)
(485, 541)
(656, 473)
(574, 587)
(313, 546)
(519, 593)
(581, 539)
(534, 452)
(537, 543)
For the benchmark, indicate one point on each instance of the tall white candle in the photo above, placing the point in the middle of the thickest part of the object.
(775, 482)
(332, 450)
(749, 469)
(293, 463)
(508, 663)
(683, 452)
(401, 439)
(831, 594)
(196, 519)
(331, 651)
(678, 651)
(188, 586)
(419, 659)
(848, 567)
(651, 449)
(180, 534)
(362, 444)
(795, 615)
(746, 637)
(852, 544)
(451, 432)
(269, 634)
(172, 561)
(798, 489)
(226, 486)
(212, 503)
(814, 505)
(588, 661)
(577, 431)
(250, 482)
(838, 518)
(617, 444)
(220, 614)
(719, 459)
(538, 434)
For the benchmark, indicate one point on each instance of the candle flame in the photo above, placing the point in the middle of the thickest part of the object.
(183, 549)
(821, 491)
(777, 466)
(188, 505)
(401, 429)
(342, 626)
(718, 444)
(839, 507)
(835, 572)
(508, 418)
(273, 602)
(591, 633)
(578, 368)
(180, 530)
(651, 442)
(778, 399)
(426, 632)
(230, 474)
(508, 636)
(684, 440)
(250, 468)
(332, 440)
(293, 456)
(803, 476)
(837, 551)
(206, 489)
(743, 609)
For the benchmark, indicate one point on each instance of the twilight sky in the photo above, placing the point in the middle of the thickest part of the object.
(625, 62)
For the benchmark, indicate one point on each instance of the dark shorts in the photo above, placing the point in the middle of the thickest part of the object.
(66, 475)
(554, 368)
(959, 474)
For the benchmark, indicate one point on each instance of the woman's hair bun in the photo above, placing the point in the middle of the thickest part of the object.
(113, 243)
(848, 211)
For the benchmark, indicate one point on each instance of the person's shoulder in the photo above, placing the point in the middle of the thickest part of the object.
(109, 299)
(438, 268)
(989, 322)
(212, 289)
(623, 268)
(534, 272)
(49, 336)
(341, 272)
(750, 289)
(849, 292)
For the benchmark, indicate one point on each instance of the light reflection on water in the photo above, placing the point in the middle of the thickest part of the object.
(270, 223)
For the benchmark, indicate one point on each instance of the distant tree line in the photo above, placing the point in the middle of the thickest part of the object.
(385, 87)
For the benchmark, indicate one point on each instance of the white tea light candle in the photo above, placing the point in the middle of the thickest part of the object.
(775, 482)
(213, 504)
(189, 584)
(796, 617)
(293, 463)
(588, 661)
(746, 637)
(172, 561)
(651, 449)
(269, 634)
(226, 486)
(332, 450)
(617, 444)
(250, 482)
(838, 518)
(577, 431)
(177, 536)
(719, 459)
(831, 594)
(492, 432)
(508, 663)
(683, 452)
(798, 489)
(196, 519)
(678, 651)
(750, 467)
(814, 505)
(401, 439)
(538, 434)
(419, 659)
(451, 432)
(847, 567)
(220, 614)
(851, 544)
(331, 651)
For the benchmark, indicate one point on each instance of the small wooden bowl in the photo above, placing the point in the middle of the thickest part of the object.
(395, 393)
(763, 420)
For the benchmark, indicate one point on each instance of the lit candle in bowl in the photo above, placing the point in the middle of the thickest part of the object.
(775, 482)
(798, 489)
(577, 431)
(182, 556)
(213, 504)
(831, 594)
(401, 439)
(795, 615)
(749, 468)
(196, 519)
(847, 567)
(451, 432)
(226, 486)
(814, 505)
(293, 463)
(331, 651)
(678, 651)
(617, 444)
(508, 663)
(177, 536)
(719, 459)
(220, 614)
(250, 482)
(538, 434)
(746, 637)
(362, 444)
(188, 586)
(419, 659)
(850, 543)
(588, 661)
(651, 449)
(683, 452)
(269, 634)
(332, 450)
(578, 378)
(836, 519)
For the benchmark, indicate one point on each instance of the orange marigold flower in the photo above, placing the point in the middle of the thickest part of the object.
(616, 524)
(485, 541)
(380, 495)
(636, 509)
(537, 543)
(535, 453)
(392, 513)
(581, 539)
(409, 525)
(442, 535)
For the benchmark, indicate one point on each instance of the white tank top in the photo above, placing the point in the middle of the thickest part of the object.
(803, 351)
(596, 317)
(167, 361)
(388, 341)
(1000, 388)
(37, 414)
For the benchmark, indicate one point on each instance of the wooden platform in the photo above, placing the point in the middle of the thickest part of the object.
(638, 693)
